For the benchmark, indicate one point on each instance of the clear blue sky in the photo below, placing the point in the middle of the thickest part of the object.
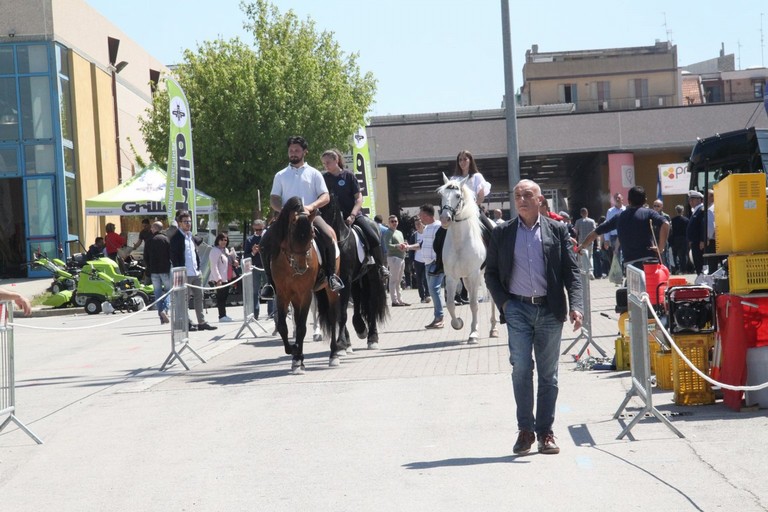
(446, 55)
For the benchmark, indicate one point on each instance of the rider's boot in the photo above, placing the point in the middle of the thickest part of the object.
(267, 291)
(378, 258)
(334, 282)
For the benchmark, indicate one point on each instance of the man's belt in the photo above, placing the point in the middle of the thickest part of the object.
(537, 301)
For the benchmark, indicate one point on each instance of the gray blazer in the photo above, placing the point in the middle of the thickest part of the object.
(559, 260)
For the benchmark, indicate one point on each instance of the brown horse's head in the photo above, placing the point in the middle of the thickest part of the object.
(294, 226)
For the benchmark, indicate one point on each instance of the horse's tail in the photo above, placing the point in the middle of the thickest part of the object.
(327, 310)
(373, 299)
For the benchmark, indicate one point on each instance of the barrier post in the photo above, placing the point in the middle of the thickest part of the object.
(640, 362)
(179, 319)
(586, 322)
(7, 372)
(248, 305)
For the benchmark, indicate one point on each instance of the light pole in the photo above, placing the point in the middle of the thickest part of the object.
(114, 68)
(510, 110)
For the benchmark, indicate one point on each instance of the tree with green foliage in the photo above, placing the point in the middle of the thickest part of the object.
(246, 101)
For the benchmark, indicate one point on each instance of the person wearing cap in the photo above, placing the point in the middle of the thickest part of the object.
(679, 241)
(696, 232)
(634, 231)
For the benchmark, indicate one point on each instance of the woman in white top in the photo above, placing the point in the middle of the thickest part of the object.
(220, 259)
(467, 168)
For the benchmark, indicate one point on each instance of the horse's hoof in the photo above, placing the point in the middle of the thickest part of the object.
(457, 323)
(317, 337)
(349, 350)
(297, 368)
(472, 341)
(334, 361)
(362, 334)
(494, 333)
(373, 345)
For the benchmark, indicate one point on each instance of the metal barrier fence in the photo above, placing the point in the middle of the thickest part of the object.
(586, 322)
(179, 319)
(640, 361)
(248, 299)
(7, 372)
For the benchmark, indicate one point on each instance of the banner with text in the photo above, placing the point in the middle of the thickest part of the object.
(361, 167)
(674, 179)
(180, 187)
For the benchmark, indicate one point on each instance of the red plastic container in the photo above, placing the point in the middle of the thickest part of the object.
(656, 281)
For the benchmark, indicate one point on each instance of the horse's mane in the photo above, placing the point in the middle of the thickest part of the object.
(281, 226)
(470, 211)
(332, 215)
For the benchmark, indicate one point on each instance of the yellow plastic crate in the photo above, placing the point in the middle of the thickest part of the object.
(622, 353)
(740, 201)
(663, 364)
(689, 388)
(747, 273)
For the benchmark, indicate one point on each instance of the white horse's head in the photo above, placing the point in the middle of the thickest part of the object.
(456, 201)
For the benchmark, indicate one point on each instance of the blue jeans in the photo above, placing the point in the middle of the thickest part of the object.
(434, 284)
(533, 330)
(162, 284)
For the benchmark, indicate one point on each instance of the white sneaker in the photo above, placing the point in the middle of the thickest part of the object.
(225, 319)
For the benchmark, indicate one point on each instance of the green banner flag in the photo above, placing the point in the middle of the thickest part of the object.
(180, 187)
(361, 167)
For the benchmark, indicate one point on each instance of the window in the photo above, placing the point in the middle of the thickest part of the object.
(9, 165)
(759, 88)
(9, 114)
(567, 93)
(39, 159)
(638, 89)
(6, 60)
(40, 207)
(32, 59)
(35, 95)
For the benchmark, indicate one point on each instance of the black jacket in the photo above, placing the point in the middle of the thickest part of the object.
(559, 261)
(157, 254)
(177, 249)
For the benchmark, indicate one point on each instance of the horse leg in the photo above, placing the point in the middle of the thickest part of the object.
(494, 329)
(373, 332)
(300, 319)
(343, 341)
(472, 287)
(451, 284)
(317, 331)
(358, 322)
(282, 328)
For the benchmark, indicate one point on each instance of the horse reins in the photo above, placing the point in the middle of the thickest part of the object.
(290, 256)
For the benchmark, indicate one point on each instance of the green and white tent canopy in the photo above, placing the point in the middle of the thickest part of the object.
(142, 194)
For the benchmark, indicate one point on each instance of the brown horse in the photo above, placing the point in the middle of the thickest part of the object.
(295, 268)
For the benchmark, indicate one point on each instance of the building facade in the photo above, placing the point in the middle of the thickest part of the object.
(71, 89)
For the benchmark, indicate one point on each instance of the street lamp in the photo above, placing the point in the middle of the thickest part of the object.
(114, 68)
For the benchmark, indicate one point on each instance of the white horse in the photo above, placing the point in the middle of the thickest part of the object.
(463, 251)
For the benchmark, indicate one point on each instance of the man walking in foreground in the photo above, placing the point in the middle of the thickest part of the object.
(529, 267)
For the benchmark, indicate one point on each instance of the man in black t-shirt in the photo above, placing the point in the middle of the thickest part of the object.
(634, 226)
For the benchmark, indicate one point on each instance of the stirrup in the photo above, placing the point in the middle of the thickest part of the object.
(335, 283)
(383, 272)
(267, 292)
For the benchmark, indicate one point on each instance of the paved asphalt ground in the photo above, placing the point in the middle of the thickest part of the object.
(423, 424)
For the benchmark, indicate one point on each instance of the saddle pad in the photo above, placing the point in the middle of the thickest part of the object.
(360, 248)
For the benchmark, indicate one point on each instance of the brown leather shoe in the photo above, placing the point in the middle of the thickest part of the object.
(524, 442)
(436, 324)
(547, 444)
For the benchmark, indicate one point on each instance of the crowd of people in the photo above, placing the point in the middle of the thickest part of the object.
(531, 270)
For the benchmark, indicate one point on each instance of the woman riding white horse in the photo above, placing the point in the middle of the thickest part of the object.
(463, 250)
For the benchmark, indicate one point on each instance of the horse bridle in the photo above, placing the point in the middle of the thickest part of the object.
(453, 210)
(290, 255)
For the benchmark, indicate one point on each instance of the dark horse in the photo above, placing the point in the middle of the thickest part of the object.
(366, 289)
(295, 268)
